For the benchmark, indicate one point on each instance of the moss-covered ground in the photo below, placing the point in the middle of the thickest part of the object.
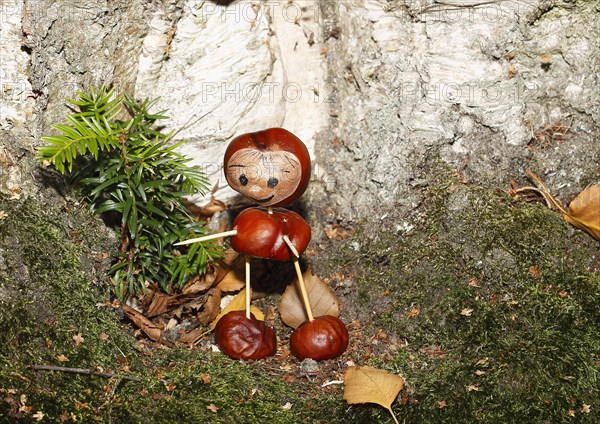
(489, 307)
(494, 306)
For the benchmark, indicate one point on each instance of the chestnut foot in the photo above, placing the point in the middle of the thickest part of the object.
(241, 338)
(325, 337)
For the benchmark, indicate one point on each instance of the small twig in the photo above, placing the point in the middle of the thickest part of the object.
(82, 371)
(542, 193)
(545, 189)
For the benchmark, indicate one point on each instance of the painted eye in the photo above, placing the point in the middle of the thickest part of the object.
(272, 182)
(243, 180)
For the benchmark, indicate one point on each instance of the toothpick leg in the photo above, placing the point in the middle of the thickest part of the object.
(300, 278)
(248, 288)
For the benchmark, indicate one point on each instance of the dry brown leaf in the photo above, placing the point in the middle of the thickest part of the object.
(372, 385)
(78, 339)
(192, 336)
(584, 211)
(232, 282)
(466, 312)
(143, 323)
(199, 284)
(238, 303)
(62, 358)
(415, 311)
(212, 306)
(322, 300)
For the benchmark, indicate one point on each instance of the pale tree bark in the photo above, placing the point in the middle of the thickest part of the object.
(377, 89)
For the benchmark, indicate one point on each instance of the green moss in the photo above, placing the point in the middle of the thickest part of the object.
(508, 309)
(46, 298)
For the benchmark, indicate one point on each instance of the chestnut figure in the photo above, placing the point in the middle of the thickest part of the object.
(244, 338)
(324, 337)
(271, 167)
(260, 233)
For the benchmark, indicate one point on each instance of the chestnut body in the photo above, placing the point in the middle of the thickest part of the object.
(242, 338)
(325, 337)
(260, 233)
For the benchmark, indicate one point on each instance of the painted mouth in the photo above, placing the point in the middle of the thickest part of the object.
(266, 199)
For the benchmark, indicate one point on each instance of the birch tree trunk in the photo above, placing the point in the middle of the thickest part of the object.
(377, 89)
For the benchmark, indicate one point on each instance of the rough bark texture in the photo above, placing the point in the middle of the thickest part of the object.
(471, 83)
(375, 88)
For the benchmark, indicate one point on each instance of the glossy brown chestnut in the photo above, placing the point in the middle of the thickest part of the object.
(271, 167)
(241, 338)
(260, 233)
(325, 337)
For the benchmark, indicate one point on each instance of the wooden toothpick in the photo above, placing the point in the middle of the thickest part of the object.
(208, 237)
(248, 288)
(300, 278)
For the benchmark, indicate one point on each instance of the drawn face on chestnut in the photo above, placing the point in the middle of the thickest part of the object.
(270, 167)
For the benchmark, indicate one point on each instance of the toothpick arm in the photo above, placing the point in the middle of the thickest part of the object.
(207, 237)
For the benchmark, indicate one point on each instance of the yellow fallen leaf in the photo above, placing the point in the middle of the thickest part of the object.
(472, 388)
(584, 211)
(372, 385)
(323, 301)
(238, 303)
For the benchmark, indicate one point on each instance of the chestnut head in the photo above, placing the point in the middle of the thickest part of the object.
(271, 167)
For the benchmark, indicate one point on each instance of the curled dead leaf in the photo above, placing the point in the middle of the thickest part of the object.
(372, 385)
(321, 297)
(212, 306)
(143, 323)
